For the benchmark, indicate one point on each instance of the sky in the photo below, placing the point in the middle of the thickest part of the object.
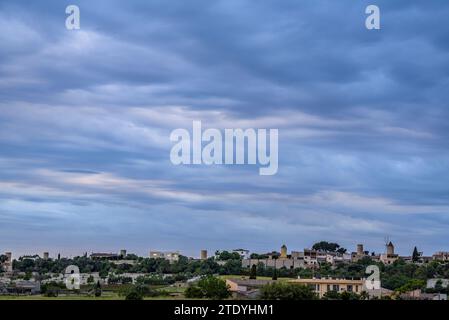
(86, 115)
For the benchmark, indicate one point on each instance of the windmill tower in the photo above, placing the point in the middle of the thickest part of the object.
(389, 246)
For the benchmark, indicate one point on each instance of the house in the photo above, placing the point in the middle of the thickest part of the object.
(441, 256)
(323, 285)
(435, 282)
(244, 254)
(246, 288)
(24, 287)
(245, 284)
(389, 257)
(170, 256)
(105, 256)
(418, 294)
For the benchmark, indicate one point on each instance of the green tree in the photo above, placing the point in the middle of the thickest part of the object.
(415, 255)
(214, 288)
(332, 295)
(209, 287)
(226, 255)
(253, 272)
(286, 291)
(193, 292)
(328, 247)
(97, 290)
(411, 285)
(90, 279)
(275, 276)
(134, 295)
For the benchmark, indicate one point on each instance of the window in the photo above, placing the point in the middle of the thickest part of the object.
(349, 288)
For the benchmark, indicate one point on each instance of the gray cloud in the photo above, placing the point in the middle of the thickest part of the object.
(85, 119)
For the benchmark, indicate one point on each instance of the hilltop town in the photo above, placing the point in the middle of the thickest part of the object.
(324, 271)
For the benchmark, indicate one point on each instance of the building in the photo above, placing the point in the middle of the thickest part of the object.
(203, 255)
(441, 256)
(244, 254)
(247, 288)
(45, 256)
(309, 258)
(105, 256)
(359, 253)
(389, 257)
(435, 282)
(323, 285)
(24, 287)
(245, 284)
(7, 265)
(283, 252)
(170, 256)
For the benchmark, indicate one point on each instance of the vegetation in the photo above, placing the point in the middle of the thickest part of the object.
(253, 272)
(328, 247)
(209, 287)
(286, 291)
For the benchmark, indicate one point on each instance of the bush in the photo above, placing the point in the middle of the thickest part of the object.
(209, 287)
(194, 292)
(134, 295)
(286, 291)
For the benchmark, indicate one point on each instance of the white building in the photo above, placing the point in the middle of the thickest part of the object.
(170, 256)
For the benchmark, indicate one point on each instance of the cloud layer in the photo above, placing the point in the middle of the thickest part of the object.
(86, 116)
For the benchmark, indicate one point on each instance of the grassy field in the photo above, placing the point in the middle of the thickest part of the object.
(69, 297)
(83, 297)
(106, 295)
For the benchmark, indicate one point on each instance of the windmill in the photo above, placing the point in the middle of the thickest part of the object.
(386, 241)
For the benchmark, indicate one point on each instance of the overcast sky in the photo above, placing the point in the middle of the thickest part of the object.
(85, 119)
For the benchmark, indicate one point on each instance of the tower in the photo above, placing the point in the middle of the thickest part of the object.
(45, 256)
(283, 252)
(123, 253)
(360, 250)
(203, 255)
(8, 262)
(390, 248)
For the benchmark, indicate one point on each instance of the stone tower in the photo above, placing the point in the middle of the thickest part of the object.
(203, 255)
(8, 262)
(360, 250)
(390, 248)
(283, 252)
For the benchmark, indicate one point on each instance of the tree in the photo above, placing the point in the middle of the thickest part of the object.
(253, 272)
(332, 295)
(214, 288)
(209, 287)
(90, 279)
(411, 285)
(439, 286)
(275, 276)
(415, 255)
(226, 255)
(286, 291)
(97, 289)
(193, 292)
(134, 295)
(328, 247)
